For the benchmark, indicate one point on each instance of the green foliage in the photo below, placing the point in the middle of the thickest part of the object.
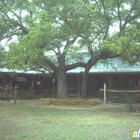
(47, 33)
(2, 56)
(66, 27)
(133, 46)
(124, 98)
(23, 94)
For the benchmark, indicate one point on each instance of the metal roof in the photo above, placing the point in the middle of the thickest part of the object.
(109, 66)
(18, 71)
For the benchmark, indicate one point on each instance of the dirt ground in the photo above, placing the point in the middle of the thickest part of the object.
(33, 102)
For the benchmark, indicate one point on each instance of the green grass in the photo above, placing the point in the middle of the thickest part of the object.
(22, 122)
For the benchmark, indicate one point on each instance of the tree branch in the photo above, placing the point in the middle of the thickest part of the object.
(51, 65)
(119, 14)
(108, 20)
(20, 24)
(128, 18)
(104, 54)
(75, 65)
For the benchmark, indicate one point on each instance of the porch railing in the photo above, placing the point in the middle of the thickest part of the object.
(73, 92)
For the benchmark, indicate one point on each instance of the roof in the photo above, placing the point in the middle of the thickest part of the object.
(18, 71)
(109, 66)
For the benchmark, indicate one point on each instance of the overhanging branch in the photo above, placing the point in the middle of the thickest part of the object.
(75, 65)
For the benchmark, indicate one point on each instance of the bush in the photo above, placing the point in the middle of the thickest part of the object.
(24, 94)
(124, 98)
(138, 97)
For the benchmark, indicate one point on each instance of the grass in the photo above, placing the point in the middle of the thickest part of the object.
(25, 122)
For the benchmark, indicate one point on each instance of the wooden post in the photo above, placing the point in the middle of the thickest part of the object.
(15, 94)
(104, 94)
(78, 80)
(53, 80)
(32, 81)
(109, 86)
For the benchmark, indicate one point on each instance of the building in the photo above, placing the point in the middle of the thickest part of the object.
(115, 73)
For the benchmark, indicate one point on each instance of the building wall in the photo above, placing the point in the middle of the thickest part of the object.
(123, 81)
(113, 81)
(95, 81)
(73, 81)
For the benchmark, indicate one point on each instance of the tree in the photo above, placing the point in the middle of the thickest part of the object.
(46, 27)
(62, 28)
(133, 56)
(120, 14)
(2, 57)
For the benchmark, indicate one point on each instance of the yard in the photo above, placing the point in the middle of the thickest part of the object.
(31, 121)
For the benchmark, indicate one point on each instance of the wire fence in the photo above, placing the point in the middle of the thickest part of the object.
(117, 93)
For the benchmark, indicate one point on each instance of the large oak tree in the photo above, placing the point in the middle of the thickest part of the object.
(51, 34)
(43, 28)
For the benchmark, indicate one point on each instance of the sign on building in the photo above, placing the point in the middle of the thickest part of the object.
(21, 79)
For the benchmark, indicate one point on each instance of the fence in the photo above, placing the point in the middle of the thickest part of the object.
(8, 93)
(117, 93)
(73, 92)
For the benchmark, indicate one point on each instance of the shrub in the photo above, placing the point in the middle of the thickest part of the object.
(24, 94)
(138, 97)
(124, 98)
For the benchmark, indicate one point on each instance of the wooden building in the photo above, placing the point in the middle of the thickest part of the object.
(116, 74)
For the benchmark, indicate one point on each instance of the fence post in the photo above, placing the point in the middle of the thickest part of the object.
(15, 94)
(53, 80)
(104, 94)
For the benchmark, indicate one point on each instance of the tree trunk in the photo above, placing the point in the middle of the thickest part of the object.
(92, 61)
(84, 83)
(62, 87)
